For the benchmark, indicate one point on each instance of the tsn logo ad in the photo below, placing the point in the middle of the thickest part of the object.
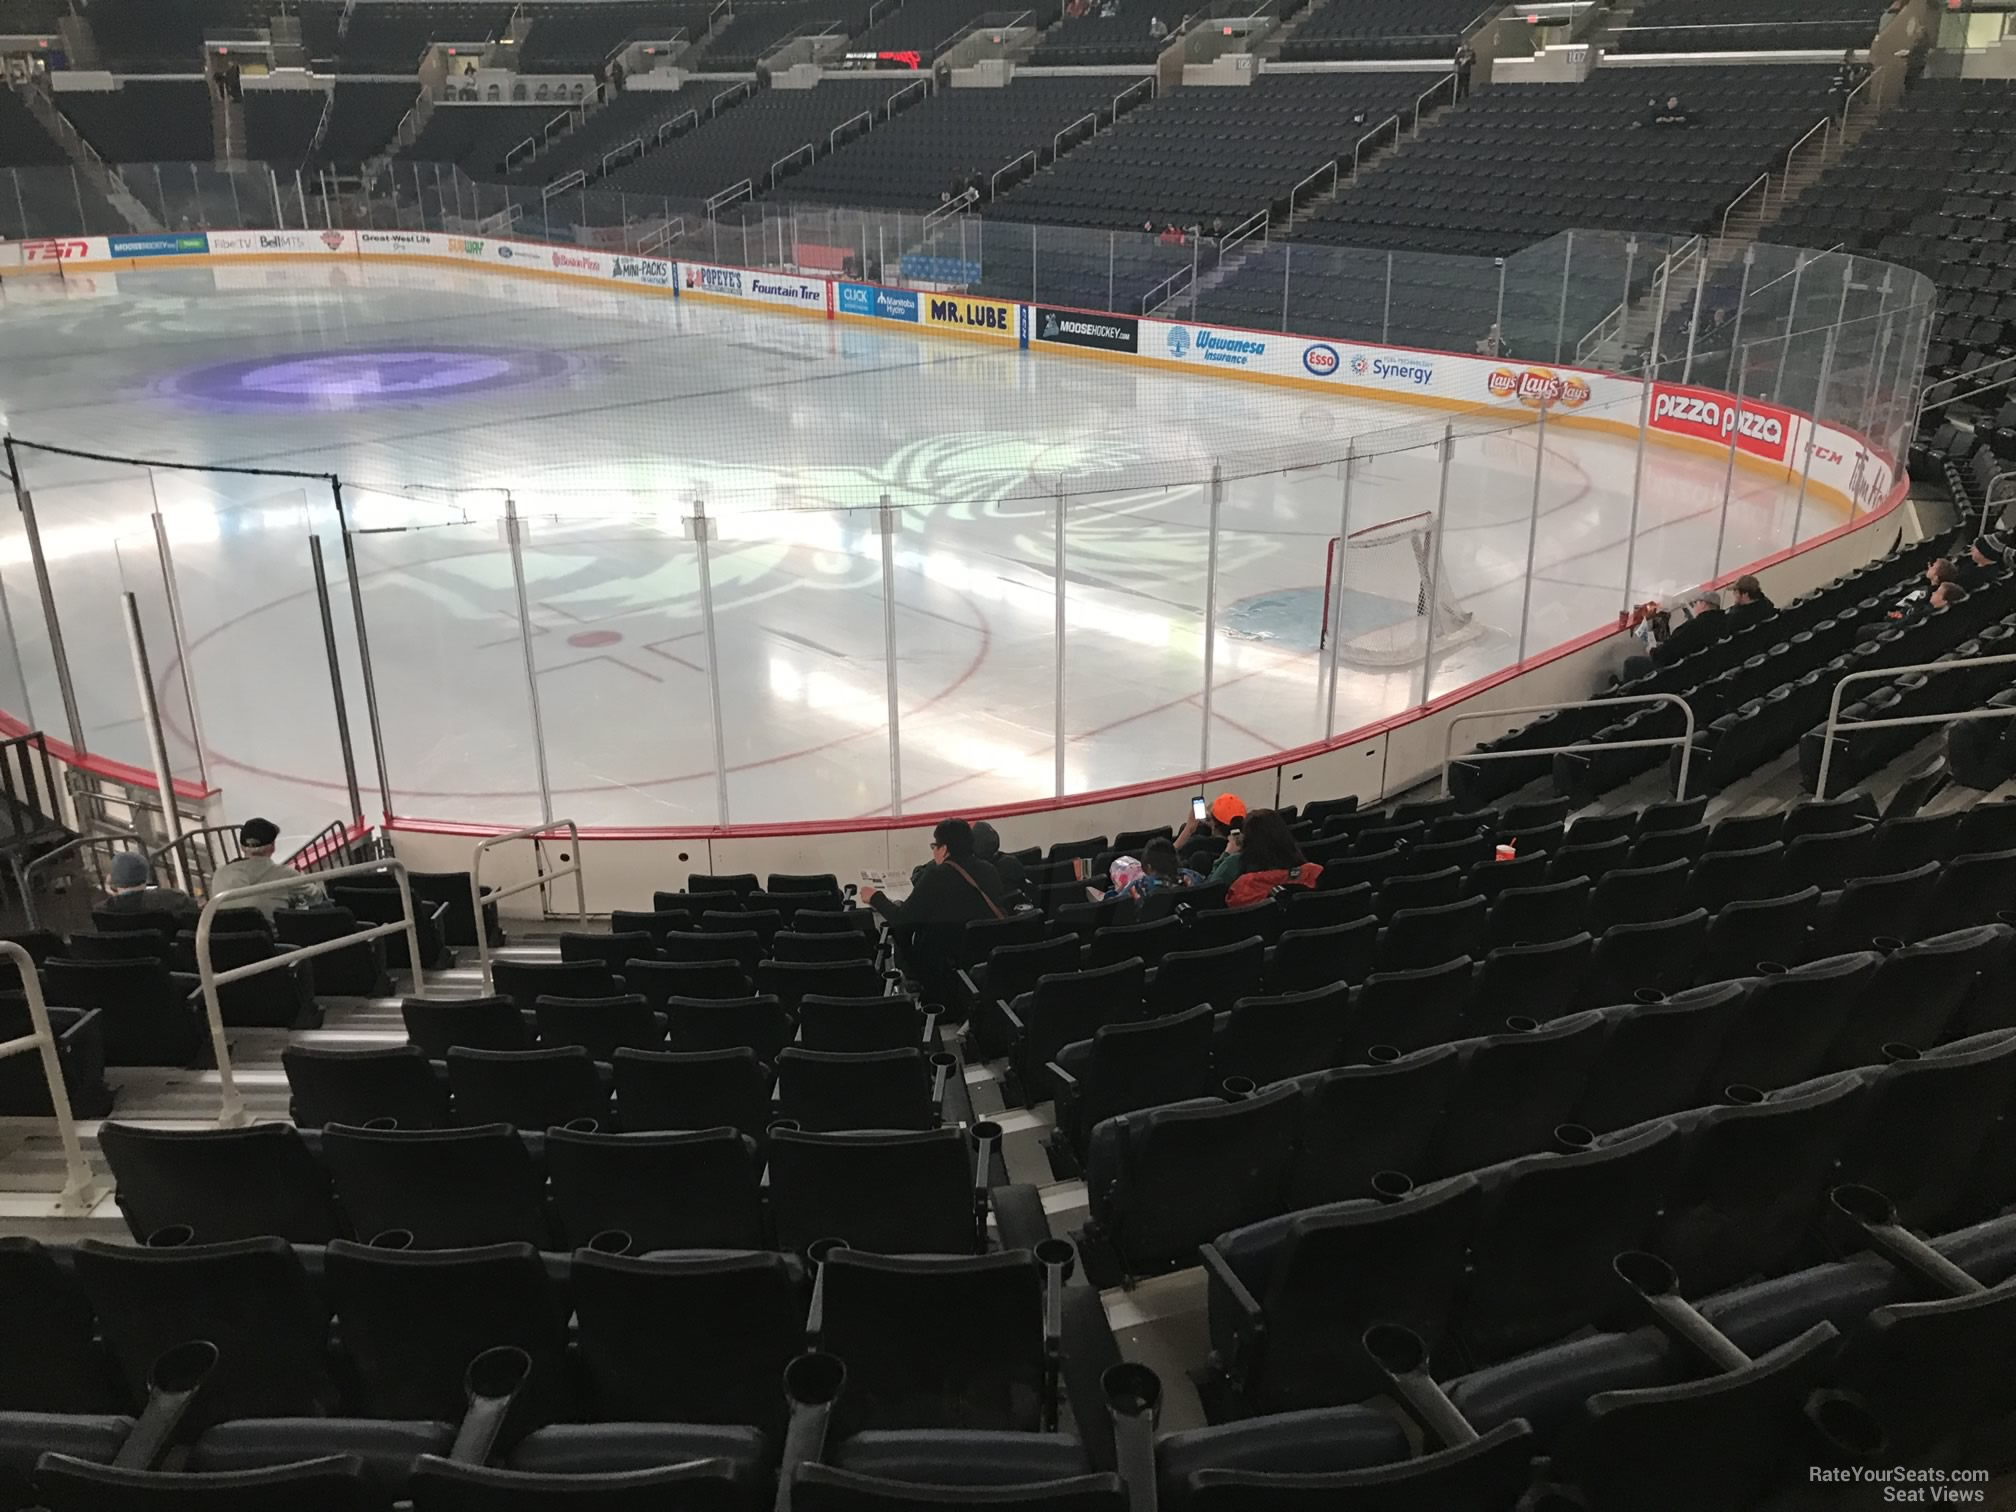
(1763, 430)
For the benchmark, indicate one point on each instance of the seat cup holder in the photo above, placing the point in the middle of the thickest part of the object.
(788, 1125)
(1383, 1055)
(1886, 944)
(1648, 996)
(1772, 968)
(393, 1239)
(1741, 1095)
(1391, 1186)
(1520, 1023)
(1574, 1138)
(1236, 1088)
(611, 1242)
(583, 1126)
(382, 1125)
(1897, 1052)
(171, 1236)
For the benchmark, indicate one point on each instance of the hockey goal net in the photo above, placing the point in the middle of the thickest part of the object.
(1382, 598)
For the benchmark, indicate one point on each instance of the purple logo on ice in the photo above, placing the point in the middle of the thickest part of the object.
(375, 378)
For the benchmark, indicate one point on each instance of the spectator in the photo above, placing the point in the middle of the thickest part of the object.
(1171, 236)
(129, 888)
(1752, 604)
(1160, 867)
(1269, 858)
(1222, 818)
(232, 82)
(1847, 74)
(1466, 59)
(1156, 30)
(1148, 228)
(1915, 606)
(987, 847)
(1706, 627)
(1983, 560)
(1108, 9)
(957, 889)
(256, 838)
(616, 78)
(1672, 113)
(1492, 342)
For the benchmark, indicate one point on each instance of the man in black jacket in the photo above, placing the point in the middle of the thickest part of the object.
(1708, 625)
(1752, 604)
(954, 891)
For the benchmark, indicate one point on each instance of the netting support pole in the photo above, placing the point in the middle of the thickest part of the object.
(1057, 717)
(1435, 560)
(701, 530)
(1791, 320)
(1532, 530)
(1211, 611)
(1737, 371)
(1195, 242)
(1883, 327)
(1820, 407)
(1386, 310)
(157, 743)
(335, 676)
(1624, 305)
(363, 651)
(1637, 487)
(58, 654)
(1112, 238)
(1287, 261)
(885, 525)
(1694, 322)
(178, 629)
(514, 537)
(1333, 629)
(1664, 282)
(1561, 316)
(1498, 325)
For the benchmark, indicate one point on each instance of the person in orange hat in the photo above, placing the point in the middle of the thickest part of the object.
(1223, 818)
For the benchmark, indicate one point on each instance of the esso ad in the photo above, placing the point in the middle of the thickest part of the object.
(1763, 430)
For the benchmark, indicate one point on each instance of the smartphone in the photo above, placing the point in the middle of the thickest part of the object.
(1199, 810)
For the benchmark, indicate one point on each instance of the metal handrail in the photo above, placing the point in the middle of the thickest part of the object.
(512, 156)
(561, 185)
(1925, 404)
(1150, 83)
(1334, 167)
(994, 183)
(922, 81)
(1685, 740)
(81, 1190)
(1825, 126)
(1421, 99)
(1057, 141)
(1615, 321)
(184, 847)
(25, 871)
(546, 131)
(728, 196)
(732, 92)
(535, 833)
(672, 230)
(1891, 674)
(1358, 146)
(1988, 497)
(877, 10)
(952, 207)
(807, 151)
(665, 126)
(833, 136)
(617, 152)
(232, 1109)
(1254, 224)
(1762, 178)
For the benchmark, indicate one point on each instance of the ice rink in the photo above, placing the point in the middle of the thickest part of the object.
(604, 416)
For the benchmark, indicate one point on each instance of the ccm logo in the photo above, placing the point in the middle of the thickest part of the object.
(52, 251)
(1828, 454)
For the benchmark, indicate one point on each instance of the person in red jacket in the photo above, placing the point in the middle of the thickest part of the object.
(1269, 858)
